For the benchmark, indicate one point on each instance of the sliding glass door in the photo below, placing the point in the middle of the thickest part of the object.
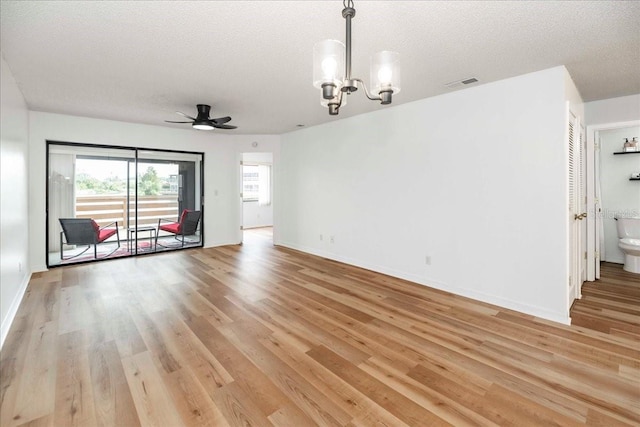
(169, 184)
(108, 202)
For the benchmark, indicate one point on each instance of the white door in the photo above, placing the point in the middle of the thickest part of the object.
(597, 207)
(240, 198)
(576, 212)
(583, 208)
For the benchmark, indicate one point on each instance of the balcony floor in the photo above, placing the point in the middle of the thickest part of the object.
(110, 249)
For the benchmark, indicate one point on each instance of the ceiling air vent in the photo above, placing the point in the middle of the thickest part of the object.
(458, 83)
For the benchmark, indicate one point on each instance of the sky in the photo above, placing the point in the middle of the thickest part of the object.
(102, 169)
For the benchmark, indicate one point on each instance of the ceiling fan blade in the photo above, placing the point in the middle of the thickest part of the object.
(217, 126)
(184, 115)
(221, 120)
(170, 121)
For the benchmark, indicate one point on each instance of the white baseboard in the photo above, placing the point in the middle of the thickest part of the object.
(465, 292)
(509, 304)
(220, 243)
(13, 309)
(252, 226)
(39, 268)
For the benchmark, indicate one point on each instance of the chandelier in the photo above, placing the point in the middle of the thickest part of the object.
(332, 70)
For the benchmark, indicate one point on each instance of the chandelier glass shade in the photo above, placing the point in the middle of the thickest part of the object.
(329, 57)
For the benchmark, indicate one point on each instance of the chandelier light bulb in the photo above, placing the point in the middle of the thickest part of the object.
(384, 75)
(328, 63)
(385, 72)
(329, 67)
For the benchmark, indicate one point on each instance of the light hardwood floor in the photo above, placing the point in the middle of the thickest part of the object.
(610, 304)
(254, 335)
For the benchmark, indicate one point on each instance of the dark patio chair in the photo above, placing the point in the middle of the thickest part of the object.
(85, 231)
(187, 225)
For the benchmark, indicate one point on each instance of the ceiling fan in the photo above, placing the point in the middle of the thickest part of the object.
(203, 122)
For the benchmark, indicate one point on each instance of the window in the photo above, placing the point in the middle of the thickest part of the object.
(256, 183)
(250, 183)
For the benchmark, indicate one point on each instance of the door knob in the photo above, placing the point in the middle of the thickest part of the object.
(580, 217)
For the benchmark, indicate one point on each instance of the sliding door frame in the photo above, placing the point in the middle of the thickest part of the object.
(135, 151)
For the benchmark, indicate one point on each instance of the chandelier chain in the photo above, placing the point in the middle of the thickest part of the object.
(347, 3)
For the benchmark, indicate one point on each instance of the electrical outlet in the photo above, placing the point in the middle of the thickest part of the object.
(20, 267)
(321, 237)
(332, 239)
(427, 260)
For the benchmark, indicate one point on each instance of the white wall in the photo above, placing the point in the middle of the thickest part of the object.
(222, 155)
(572, 95)
(258, 157)
(619, 195)
(613, 110)
(254, 215)
(14, 214)
(474, 179)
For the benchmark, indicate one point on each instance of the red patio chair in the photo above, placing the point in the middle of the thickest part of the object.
(85, 231)
(187, 225)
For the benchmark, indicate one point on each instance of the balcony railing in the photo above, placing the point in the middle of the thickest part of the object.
(108, 208)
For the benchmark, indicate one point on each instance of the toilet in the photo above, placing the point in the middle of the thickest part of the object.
(629, 243)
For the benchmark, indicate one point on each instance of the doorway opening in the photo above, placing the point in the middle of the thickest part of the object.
(603, 207)
(256, 195)
(261, 236)
(619, 194)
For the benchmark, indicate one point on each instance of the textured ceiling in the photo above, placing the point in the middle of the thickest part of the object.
(141, 61)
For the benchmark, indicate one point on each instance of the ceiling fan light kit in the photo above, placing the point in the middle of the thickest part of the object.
(202, 126)
(203, 121)
(330, 60)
